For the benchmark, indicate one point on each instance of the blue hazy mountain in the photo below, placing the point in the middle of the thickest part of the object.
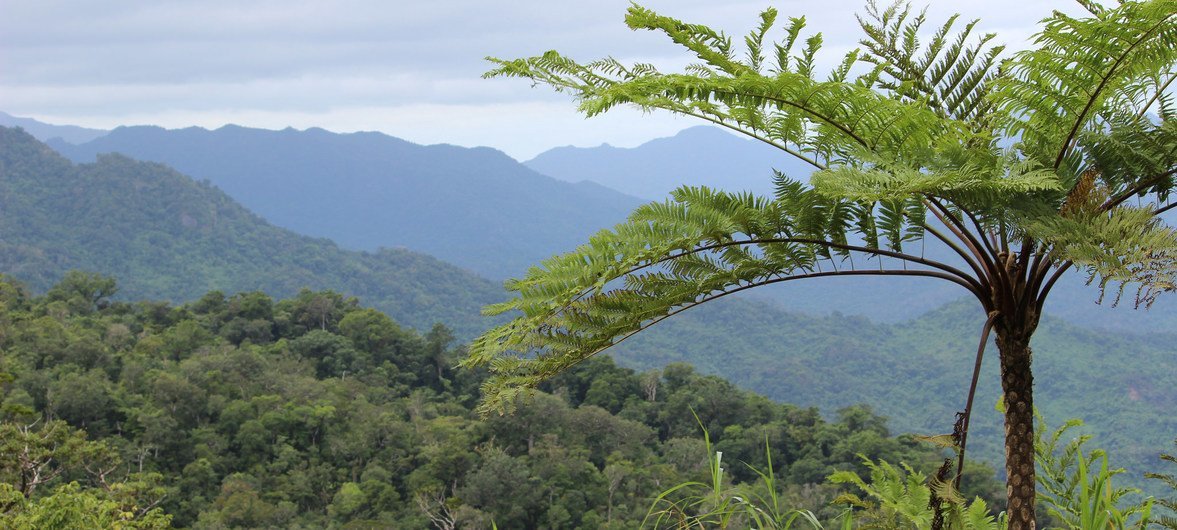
(474, 207)
(701, 155)
(43, 131)
(481, 210)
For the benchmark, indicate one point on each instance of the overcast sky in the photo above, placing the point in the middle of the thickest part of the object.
(409, 69)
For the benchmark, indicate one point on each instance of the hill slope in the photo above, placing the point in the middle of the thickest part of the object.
(165, 236)
(472, 207)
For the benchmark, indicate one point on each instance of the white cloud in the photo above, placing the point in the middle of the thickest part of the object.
(407, 68)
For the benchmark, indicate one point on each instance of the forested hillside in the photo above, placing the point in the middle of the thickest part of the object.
(315, 412)
(476, 208)
(917, 372)
(173, 238)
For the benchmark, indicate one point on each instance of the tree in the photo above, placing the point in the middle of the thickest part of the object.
(908, 141)
(83, 292)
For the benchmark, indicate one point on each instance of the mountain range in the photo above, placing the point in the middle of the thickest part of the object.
(45, 131)
(474, 207)
(165, 236)
(697, 156)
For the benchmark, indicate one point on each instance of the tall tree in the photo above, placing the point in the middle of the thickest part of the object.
(908, 140)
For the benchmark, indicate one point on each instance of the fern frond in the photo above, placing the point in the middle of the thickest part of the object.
(948, 74)
(1058, 90)
(1126, 247)
(668, 257)
(916, 133)
(832, 120)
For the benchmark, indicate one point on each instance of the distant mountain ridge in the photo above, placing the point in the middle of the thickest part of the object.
(167, 237)
(481, 210)
(474, 207)
(701, 155)
(44, 131)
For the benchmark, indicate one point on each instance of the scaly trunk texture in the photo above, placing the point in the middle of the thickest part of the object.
(1017, 385)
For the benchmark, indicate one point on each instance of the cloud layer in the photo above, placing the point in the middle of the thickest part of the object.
(411, 69)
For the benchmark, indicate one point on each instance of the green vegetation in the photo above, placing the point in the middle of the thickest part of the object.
(906, 138)
(243, 411)
(912, 372)
(1076, 496)
(1169, 501)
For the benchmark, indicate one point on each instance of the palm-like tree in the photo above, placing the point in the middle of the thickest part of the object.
(907, 142)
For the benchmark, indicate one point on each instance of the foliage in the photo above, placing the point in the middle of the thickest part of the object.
(911, 372)
(70, 507)
(1166, 503)
(885, 163)
(719, 504)
(1077, 489)
(901, 498)
(243, 411)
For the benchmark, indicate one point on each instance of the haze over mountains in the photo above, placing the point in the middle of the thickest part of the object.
(44, 131)
(472, 207)
(478, 208)
(165, 236)
(698, 156)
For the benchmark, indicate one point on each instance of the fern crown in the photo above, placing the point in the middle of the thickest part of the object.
(908, 139)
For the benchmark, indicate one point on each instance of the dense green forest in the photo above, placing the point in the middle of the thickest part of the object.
(917, 372)
(310, 412)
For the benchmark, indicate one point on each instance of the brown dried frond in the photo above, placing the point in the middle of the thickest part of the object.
(1085, 197)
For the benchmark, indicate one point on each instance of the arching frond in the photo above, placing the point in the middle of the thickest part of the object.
(916, 134)
(668, 257)
(1081, 70)
(976, 186)
(1133, 156)
(949, 74)
(826, 122)
(1127, 247)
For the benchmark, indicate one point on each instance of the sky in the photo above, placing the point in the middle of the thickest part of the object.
(408, 69)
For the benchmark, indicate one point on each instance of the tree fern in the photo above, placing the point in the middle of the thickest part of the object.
(904, 137)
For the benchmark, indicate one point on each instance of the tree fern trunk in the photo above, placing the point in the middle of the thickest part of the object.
(1017, 385)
